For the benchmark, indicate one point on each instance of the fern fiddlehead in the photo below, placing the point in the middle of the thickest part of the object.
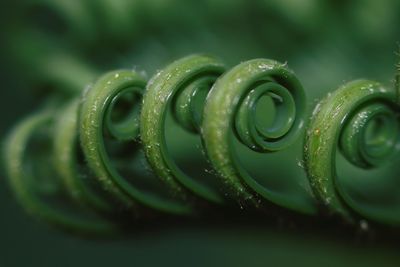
(100, 117)
(181, 88)
(75, 176)
(37, 184)
(362, 119)
(230, 113)
(194, 100)
(176, 90)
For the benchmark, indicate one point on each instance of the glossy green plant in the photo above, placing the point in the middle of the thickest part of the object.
(226, 112)
(83, 166)
(362, 119)
(77, 180)
(180, 87)
(230, 113)
(36, 181)
(101, 119)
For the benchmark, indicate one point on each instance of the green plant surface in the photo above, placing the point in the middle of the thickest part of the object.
(361, 118)
(230, 112)
(100, 120)
(180, 87)
(36, 184)
(77, 180)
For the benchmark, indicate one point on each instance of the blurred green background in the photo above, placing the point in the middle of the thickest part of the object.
(325, 42)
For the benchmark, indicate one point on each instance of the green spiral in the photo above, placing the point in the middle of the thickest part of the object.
(181, 89)
(109, 123)
(118, 152)
(230, 114)
(78, 181)
(33, 177)
(362, 119)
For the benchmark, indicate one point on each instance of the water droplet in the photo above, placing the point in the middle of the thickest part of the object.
(300, 163)
(364, 225)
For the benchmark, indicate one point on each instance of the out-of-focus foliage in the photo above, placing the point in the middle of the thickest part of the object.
(326, 42)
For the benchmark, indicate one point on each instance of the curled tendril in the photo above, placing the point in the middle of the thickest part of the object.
(219, 109)
(75, 180)
(362, 118)
(109, 110)
(36, 183)
(230, 110)
(182, 86)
